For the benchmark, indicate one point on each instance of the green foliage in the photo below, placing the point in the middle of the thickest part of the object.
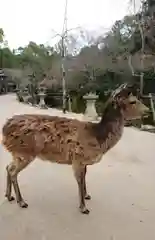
(38, 58)
(78, 104)
(92, 69)
(1, 35)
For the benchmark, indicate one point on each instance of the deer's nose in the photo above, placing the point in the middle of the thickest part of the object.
(146, 111)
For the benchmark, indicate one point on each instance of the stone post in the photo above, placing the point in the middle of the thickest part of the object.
(69, 103)
(90, 112)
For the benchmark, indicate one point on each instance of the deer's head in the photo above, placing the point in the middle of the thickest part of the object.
(125, 97)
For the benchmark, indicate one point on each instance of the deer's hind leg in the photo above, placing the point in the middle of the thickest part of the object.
(17, 165)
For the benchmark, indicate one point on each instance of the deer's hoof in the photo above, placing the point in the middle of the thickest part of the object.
(23, 204)
(84, 210)
(87, 197)
(10, 198)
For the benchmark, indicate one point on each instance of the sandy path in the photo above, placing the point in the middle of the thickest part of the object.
(122, 188)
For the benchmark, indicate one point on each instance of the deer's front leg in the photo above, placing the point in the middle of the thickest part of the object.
(79, 172)
(9, 187)
(87, 196)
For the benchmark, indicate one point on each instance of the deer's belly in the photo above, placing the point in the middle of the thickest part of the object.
(55, 158)
(93, 160)
(98, 158)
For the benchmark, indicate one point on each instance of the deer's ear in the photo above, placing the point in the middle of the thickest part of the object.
(130, 94)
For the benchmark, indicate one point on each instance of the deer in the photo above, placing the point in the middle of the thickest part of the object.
(67, 141)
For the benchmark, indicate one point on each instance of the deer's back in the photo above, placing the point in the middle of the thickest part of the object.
(51, 138)
(29, 133)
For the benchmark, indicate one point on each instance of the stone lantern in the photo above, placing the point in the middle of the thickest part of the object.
(3, 84)
(33, 88)
(90, 112)
(42, 98)
(25, 95)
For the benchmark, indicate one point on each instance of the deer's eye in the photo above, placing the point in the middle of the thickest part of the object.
(133, 102)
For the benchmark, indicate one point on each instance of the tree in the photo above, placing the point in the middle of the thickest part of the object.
(1, 35)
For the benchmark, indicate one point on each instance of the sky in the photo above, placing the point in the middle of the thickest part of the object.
(33, 20)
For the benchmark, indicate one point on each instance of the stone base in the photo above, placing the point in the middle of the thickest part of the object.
(90, 118)
(43, 106)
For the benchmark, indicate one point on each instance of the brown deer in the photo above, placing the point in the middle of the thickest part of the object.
(67, 141)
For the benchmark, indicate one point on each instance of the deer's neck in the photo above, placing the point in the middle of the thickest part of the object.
(110, 129)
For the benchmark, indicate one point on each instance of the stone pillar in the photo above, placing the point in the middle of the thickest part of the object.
(90, 112)
(42, 95)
